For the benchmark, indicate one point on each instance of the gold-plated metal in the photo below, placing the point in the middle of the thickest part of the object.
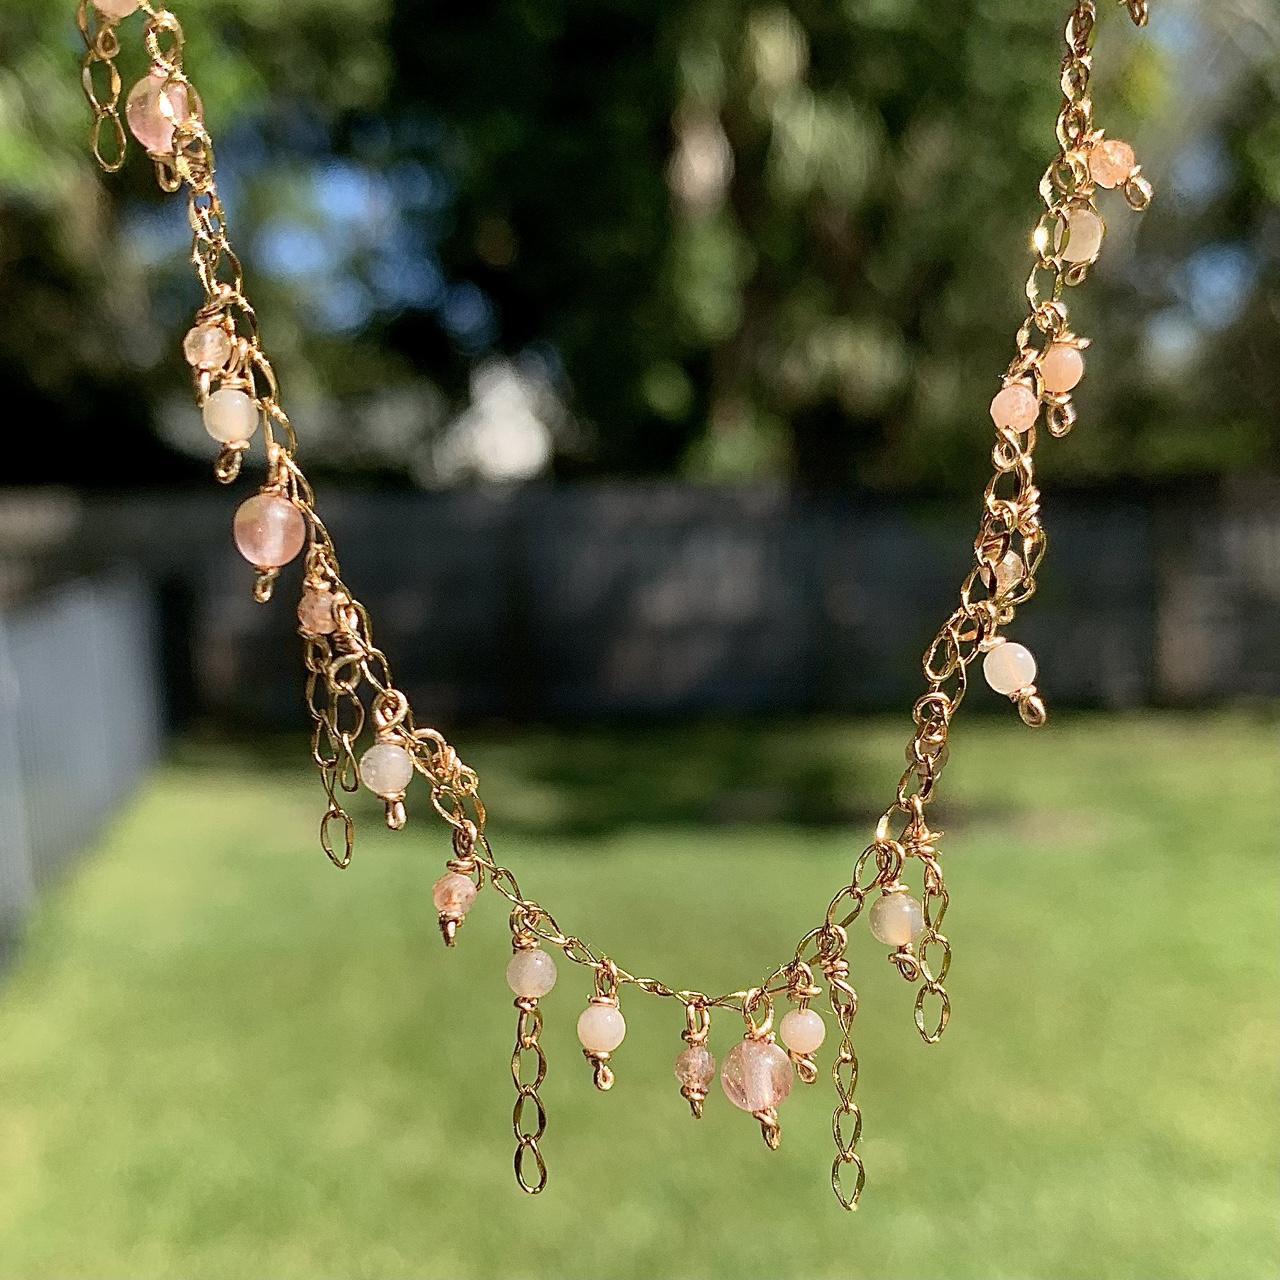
(346, 669)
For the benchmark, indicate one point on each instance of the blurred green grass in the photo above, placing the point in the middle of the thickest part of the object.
(220, 1057)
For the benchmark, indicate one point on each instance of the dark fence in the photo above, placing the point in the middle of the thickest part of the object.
(661, 599)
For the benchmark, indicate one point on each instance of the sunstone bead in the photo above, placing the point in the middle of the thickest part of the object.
(1111, 162)
(1015, 407)
(1083, 238)
(896, 919)
(1009, 668)
(601, 1028)
(803, 1030)
(207, 346)
(116, 9)
(756, 1075)
(269, 530)
(453, 893)
(386, 769)
(695, 1067)
(153, 109)
(315, 612)
(531, 973)
(1061, 368)
(1008, 572)
(230, 415)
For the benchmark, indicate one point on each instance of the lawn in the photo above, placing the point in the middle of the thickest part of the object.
(220, 1057)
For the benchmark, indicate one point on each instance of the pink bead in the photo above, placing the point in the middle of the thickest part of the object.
(695, 1067)
(453, 894)
(152, 111)
(115, 9)
(756, 1075)
(207, 346)
(315, 613)
(1111, 162)
(1015, 407)
(1061, 368)
(269, 531)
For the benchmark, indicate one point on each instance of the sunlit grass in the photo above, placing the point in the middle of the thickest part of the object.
(220, 1057)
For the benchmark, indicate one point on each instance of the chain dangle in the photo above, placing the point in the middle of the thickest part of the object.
(350, 690)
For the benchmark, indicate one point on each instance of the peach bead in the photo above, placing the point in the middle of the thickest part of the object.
(531, 973)
(695, 1067)
(1015, 407)
(207, 346)
(756, 1075)
(153, 109)
(269, 531)
(896, 919)
(803, 1030)
(601, 1028)
(1111, 162)
(230, 416)
(453, 893)
(386, 769)
(315, 613)
(115, 9)
(1083, 240)
(1009, 668)
(1061, 368)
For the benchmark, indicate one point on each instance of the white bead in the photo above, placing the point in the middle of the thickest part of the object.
(1084, 236)
(601, 1028)
(896, 919)
(803, 1030)
(386, 769)
(531, 973)
(1009, 668)
(115, 8)
(230, 416)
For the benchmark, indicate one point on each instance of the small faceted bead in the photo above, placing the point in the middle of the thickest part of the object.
(896, 919)
(315, 613)
(269, 531)
(454, 893)
(207, 346)
(1061, 368)
(386, 769)
(531, 973)
(1015, 407)
(1084, 236)
(115, 8)
(695, 1067)
(803, 1030)
(1111, 162)
(756, 1075)
(230, 416)
(153, 109)
(1008, 573)
(601, 1028)
(1009, 668)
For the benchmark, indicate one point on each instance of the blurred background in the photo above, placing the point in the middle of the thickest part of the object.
(640, 354)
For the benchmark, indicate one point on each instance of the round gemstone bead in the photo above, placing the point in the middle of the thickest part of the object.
(115, 9)
(695, 1067)
(1015, 407)
(453, 893)
(230, 415)
(896, 919)
(1009, 668)
(1061, 368)
(207, 346)
(601, 1028)
(803, 1030)
(1111, 162)
(1084, 235)
(531, 973)
(386, 769)
(756, 1075)
(315, 612)
(153, 109)
(1008, 572)
(269, 530)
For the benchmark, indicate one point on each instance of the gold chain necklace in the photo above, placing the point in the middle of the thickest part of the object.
(237, 392)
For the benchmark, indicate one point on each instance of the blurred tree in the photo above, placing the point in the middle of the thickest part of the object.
(730, 239)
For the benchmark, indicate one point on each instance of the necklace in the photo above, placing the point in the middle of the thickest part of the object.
(351, 694)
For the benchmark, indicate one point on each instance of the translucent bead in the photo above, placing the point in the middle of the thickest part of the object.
(153, 109)
(896, 919)
(1008, 573)
(1009, 668)
(115, 9)
(207, 346)
(1015, 407)
(269, 530)
(1061, 368)
(1083, 240)
(453, 893)
(695, 1067)
(601, 1028)
(531, 973)
(386, 769)
(756, 1075)
(230, 416)
(1111, 162)
(803, 1030)
(315, 612)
